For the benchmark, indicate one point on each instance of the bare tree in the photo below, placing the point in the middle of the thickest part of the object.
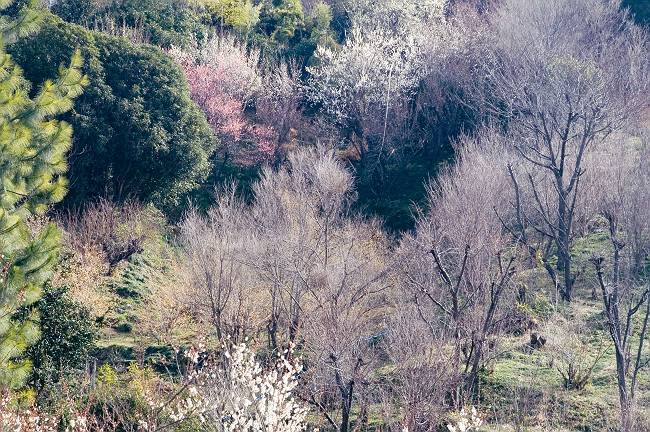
(318, 272)
(461, 263)
(346, 294)
(293, 216)
(215, 254)
(622, 272)
(278, 104)
(415, 396)
(324, 271)
(564, 74)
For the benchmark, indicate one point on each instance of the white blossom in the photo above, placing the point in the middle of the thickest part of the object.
(238, 395)
(386, 55)
(466, 421)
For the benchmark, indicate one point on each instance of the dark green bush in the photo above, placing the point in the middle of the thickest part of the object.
(77, 11)
(137, 133)
(67, 336)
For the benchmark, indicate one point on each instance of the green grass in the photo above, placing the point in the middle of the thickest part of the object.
(523, 389)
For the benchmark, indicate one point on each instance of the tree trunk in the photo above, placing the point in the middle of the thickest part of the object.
(472, 381)
(272, 331)
(624, 399)
(346, 390)
(564, 247)
(346, 406)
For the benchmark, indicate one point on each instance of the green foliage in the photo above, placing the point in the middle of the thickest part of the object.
(165, 22)
(282, 18)
(132, 283)
(120, 399)
(137, 132)
(280, 28)
(76, 11)
(106, 375)
(524, 387)
(284, 31)
(191, 425)
(18, 19)
(541, 307)
(317, 31)
(67, 336)
(33, 147)
(162, 22)
(320, 21)
(240, 15)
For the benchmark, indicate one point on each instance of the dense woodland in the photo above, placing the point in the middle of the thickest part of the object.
(334, 215)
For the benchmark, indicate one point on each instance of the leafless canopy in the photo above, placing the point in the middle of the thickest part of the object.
(563, 75)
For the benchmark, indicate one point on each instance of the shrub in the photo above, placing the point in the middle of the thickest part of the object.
(67, 336)
(162, 22)
(575, 351)
(76, 11)
(232, 393)
(138, 135)
(240, 15)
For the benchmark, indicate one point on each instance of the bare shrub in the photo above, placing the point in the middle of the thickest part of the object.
(171, 306)
(278, 104)
(118, 231)
(571, 348)
(420, 381)
(84, 274)
(325, 275)
(216, 251)
(344, 296)
(296, 214)
(136, 33)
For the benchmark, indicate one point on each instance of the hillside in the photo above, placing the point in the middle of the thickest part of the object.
(332, 215)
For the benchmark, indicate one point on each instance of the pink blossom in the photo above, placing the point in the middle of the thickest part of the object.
(223, 93)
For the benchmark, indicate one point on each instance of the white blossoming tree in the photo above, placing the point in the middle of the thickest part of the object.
(234, 394)
(365, 86)
(352, 83)
(381, 60)
(255, 399)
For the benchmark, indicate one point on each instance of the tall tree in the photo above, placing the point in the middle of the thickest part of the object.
(127, 144)
(33, 148)
(459, 267)
(564, 75)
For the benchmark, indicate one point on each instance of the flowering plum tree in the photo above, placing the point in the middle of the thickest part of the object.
(224, 81)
